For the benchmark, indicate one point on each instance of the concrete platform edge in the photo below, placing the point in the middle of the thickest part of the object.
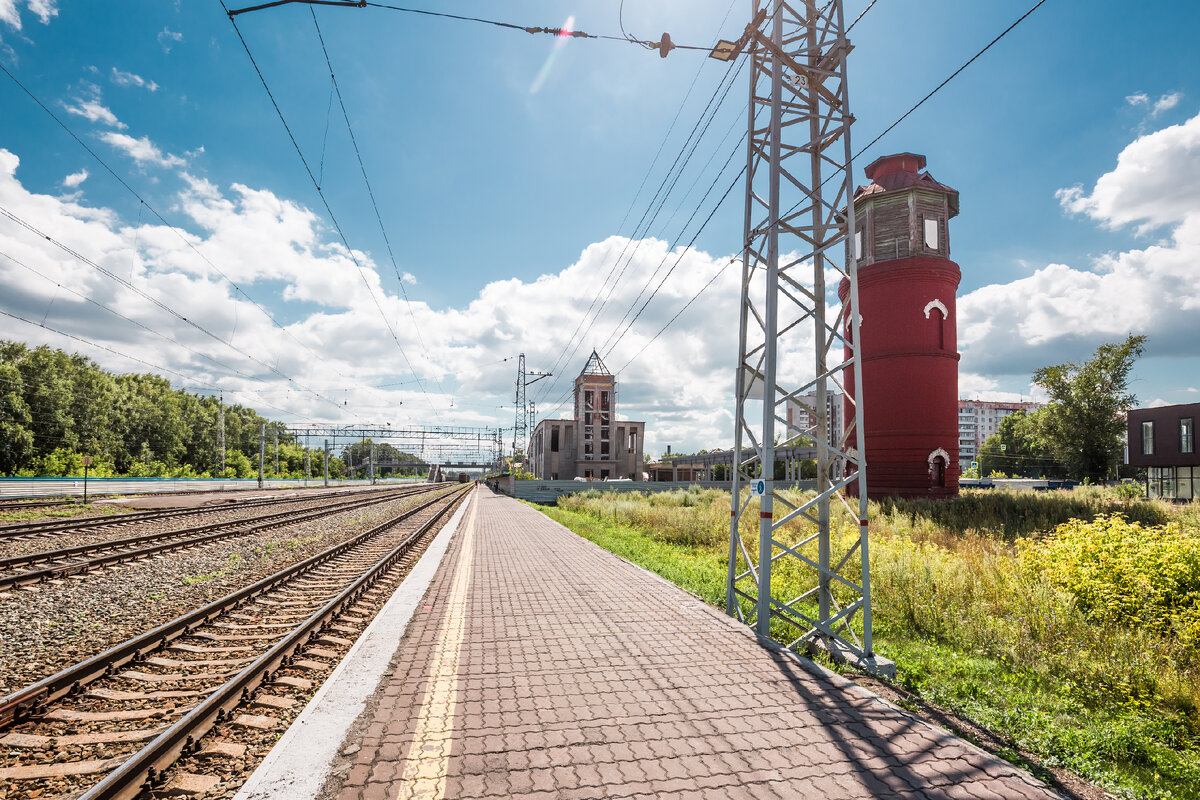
(299, 764)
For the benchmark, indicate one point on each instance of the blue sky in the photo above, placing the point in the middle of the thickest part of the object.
(1074, 142)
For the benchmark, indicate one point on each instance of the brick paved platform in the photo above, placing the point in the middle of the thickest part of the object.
(539, 665)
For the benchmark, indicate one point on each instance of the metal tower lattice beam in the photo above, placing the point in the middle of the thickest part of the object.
(799, 223)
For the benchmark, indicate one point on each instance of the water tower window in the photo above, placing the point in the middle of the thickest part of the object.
(554, 440)
(931, 233)
(858, 245)
(604, 401)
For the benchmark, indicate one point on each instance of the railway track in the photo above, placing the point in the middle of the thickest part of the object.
(23, 570)
(51, 527)
(112, 725)
(8, 506)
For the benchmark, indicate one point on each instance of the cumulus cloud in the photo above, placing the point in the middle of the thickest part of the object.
(167, 39)
(141, 150)
(122, 78)
(1156, 181)
(42, 9)
(1062, 312)
(75, 178)
(281, 254)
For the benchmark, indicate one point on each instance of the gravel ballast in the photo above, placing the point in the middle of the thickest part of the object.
(48, 627)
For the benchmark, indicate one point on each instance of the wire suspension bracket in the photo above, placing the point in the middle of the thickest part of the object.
(798, 55)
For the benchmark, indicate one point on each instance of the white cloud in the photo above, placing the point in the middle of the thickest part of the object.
(75, 178)
(1156, 181)
(1139, 99)
(167, 39)
(1061, 313)
(42, 9)
(281, 253)
(121, 78)
(409, 278)
(1165, 103)
(94, 111)
(142, 150)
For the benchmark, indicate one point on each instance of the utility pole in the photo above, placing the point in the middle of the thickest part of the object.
(221, 433)
(326, 463)
(799, 201)
(262, 447)
(525, 378)
(371, 463)
(275, 425)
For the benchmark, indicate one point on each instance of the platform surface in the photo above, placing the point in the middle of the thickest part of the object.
(539, 665)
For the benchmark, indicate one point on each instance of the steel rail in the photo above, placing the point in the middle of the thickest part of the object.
(31, 699)
(51, 526)
(171, 540)
(144, 539)
(146, 768)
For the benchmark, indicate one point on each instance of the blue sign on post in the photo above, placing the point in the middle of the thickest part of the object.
(758, 487)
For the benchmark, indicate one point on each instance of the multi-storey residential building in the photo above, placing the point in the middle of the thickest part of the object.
(979, 419)
(798, 414)
(595, 444)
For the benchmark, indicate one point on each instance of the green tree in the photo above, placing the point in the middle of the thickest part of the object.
(1084, 423)
(1019, 449)
(16, 434)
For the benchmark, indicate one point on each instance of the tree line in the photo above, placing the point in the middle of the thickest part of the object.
(57, 407)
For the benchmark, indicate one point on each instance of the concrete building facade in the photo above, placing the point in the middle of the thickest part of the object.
(979, 419)
(594, 445)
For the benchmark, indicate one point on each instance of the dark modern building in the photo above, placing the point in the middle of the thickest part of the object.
(1163, 440)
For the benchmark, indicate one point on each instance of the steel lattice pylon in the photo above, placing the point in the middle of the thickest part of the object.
(799, 159)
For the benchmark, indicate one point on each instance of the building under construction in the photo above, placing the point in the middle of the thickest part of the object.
(595, 445)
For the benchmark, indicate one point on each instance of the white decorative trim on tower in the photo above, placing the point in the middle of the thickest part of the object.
(935, 454)
(938, 304)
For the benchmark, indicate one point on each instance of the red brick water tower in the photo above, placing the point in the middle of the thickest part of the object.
(906, 289)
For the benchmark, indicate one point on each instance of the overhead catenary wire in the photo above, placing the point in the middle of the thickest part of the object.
(669, 181)
(329, 210)
(370, 191)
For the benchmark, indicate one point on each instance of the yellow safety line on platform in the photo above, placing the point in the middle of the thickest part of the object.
(428, 758)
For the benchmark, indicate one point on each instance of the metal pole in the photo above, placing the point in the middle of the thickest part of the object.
(262, 447)
(742, 385)
(766, 504)
(371, 456)
(326, 463)
(275, 425)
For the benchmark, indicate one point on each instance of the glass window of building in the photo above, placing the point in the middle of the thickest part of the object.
(1187, 435)
(1148, 438)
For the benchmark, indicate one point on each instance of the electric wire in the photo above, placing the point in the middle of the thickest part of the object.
(157, 302)
(669, 181)
(370, 191)
(328, 209)
(143, 203)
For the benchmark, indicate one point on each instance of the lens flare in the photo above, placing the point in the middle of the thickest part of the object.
(560, 41)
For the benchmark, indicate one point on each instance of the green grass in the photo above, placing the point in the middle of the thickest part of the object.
(971, 626)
